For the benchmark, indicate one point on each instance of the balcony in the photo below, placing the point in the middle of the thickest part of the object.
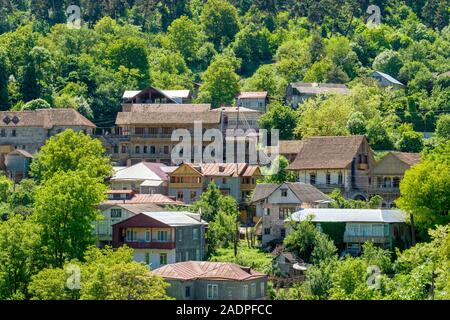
(362, 239)
(362, 166)
(142, 244)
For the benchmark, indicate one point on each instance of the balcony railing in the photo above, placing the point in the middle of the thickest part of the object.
(141, 244)
(362, 239)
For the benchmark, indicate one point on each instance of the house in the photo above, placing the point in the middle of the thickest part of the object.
(194, 280)
(123, 204)
(331, 163)
(276, 202)
(238, 118)
(144, 131)
(385, 228)
(298, 92)
(17, 164)
(160, 238)
(146, 96)
(387, 174)
(188, 181)
(143, 177)
(253, 100)
(385, 80)
(287, 264)
(29, 130)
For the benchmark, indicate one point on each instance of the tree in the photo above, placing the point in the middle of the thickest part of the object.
(70, 151)
(378, 135)
(184, 36)
(443, 127)
(220, 83)
(209, 204)
(36, 104)
(388, 61)
(19, 255)
(105, 275)
(356, 124)
(267, 79)
(250, 257)
(5, 188)
(220, 22)
(4, 78)
(425, 189)
(280, 117)
(410, 141)
(280, 173)
(66, 204)
(222, 231)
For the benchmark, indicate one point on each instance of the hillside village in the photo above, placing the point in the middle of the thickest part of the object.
(358, 179)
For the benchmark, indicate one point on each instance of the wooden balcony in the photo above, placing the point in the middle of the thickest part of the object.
(247, 187)
(362, 239)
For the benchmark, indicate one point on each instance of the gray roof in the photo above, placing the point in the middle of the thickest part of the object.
(389, 78)
(135, 208)
(350, 215)
(320, 88)
(176, 218)
(303, 191)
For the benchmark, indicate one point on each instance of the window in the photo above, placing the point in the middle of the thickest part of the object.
(163, 258)
(3, 133)
(284, 192)
(147, 258)
(195, 234)
(166, 150)
(312, 178)
(253, 290)
(212, 291)
(245, 291)
(180, 195)
(13, 133)
(152, 149)
(283, 233)
(124, 149)
(187, 256)
(340, 178)
(131, 235)
(137, 149)
(266, 231)
(328, 178)
(267, 211)
(116, 213)
(145, 149)
(224, 180)
(262, 289)
(163, 235)
(193, 195)
(148, 236)
(116, 149)
(377, 230)
(187, 292)
(285, 212)
(396, 182)
(197, 255)
(180, 235)
(139, 131)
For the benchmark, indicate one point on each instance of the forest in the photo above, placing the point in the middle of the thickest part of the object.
(232, 46)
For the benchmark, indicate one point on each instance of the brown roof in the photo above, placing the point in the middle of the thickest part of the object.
(304, 192)
(193, 270)
(46, 118)
(320, 88)
(228, 169)
(327, 153)
(168, 114)
(140, 198)
(135, 208)
(289, 146)
(408, 158)
(252, 95)
(21, 152)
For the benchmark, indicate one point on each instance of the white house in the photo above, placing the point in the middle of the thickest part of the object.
(253, 100)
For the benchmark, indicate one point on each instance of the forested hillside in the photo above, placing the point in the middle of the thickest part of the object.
(237, 45)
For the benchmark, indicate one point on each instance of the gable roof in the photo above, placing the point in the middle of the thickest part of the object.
(20, 152)
(135, 208)
(141, 198)
(289, 146)
(388, 78)
(193, 270)
(407, 157)
(252, 95)
(303, 191)
(327, 152)
(320, 88)
(176, 218)
(350, 215)
(184, 94)
(142, 171)
(46, 118)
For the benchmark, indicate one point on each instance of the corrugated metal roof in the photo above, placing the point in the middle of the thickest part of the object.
(389, 78)
(350, 215)
(175, 218)
(141, 171)
(177, 93)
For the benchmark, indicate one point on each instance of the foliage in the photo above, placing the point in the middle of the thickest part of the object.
(278, 173)
(280, 117)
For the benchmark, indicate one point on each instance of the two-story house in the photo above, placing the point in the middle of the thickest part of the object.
(299, 92)
(236, 179)
(253, 100)
(276, 202)
(330, 163)
(194, 280)
(28, 130)
(385, 228)
(160, 238)
(387, 174)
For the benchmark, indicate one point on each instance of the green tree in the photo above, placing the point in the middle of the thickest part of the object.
(378, 135)
(220, 83)
(66, 204)
(68, 151)
(356, 124)
(280, 117)
(267, 79)
(410, 141)
(219, 20)
(36, 104)
(278, 173)
(19, 255)
(4, 78)
(184, 36)
(443, 127)
(425, 189)
(388, 61)
(5, 188)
